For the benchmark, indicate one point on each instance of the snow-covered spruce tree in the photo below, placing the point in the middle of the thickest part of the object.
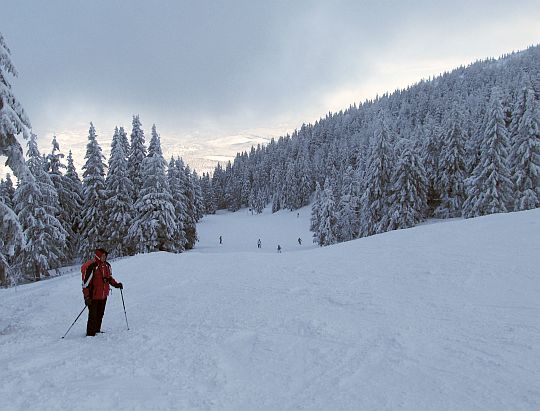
(431, 151)
(452, 169)
(233, 190)
(154, 223)
(304, 187)
(13, 119)
(118, 204)
(137, 153)
(210, 203)
(489, 188)
(276, 202)
(36, 204)
(296, 185)
(408, 201)
(68, 201)
(251, 200)
(7, 191)
(260, 201)
(73, 207)
(204, 183)
(327, 232)
(377, 183)
(93, 222)
(315, 220)
(124, 141)
(179, 201)
(199, 200)
(476, 122)
(218, 185)
(53, 161)
(246, 188)
(290, 188)
(347, 207)
(525, 157)
(4, 197)
(11, 241)
(190, 226)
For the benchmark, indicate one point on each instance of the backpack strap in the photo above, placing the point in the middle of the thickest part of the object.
(89, 275)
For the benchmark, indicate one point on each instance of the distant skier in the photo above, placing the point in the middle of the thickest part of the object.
(259, 244)
(220, 240)
(97, 277)
(299, 241)
(278, 248)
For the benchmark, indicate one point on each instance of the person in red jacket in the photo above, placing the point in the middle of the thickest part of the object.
(96, 282)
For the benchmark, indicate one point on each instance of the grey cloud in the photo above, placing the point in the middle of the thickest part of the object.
(227, 65)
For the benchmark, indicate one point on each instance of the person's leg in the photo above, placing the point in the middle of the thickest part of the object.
(101, 308)
(92, 319)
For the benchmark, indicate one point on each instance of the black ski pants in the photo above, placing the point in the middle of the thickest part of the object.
(95, 316)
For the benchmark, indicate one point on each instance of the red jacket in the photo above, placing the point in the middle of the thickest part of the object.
(97, 279)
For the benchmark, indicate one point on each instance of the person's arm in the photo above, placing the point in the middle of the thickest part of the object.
(112, 281)
(87, 284)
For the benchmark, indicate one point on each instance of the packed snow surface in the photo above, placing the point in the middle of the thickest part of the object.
(443, 316)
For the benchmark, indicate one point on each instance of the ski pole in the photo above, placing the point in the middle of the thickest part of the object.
(122, 294)
(75, 321)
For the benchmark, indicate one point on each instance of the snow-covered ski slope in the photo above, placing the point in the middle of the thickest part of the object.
(443, 316)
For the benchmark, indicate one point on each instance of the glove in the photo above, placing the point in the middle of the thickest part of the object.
(88, 301)
(120, 285)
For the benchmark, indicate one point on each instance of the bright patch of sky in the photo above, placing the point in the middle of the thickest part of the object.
(219, 76)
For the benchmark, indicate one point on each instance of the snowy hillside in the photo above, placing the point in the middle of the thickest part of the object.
(441, 316)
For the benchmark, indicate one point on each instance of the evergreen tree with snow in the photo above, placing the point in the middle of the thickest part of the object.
(53, 161)
(489, 189)
(525, 157)
(408, 201)
(11, 242)
(190, 226)
(430, 154)
(118, 205)
(290, 188)
(124, 141)
(377, 180)
(179, 201)
(154, 224)
(209, 196)
(199, 200)
(7, 191)
(67, 200)
(260, 201)
(93, 217)
(73, 206)
(315, 220)
(13, 119)
(137, 154)
(347, 207)
(304, 182)
(36, 204)
(452, 169)
(327, 232)
(276, 202)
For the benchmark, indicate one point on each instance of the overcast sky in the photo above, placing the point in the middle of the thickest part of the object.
(217, 76)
